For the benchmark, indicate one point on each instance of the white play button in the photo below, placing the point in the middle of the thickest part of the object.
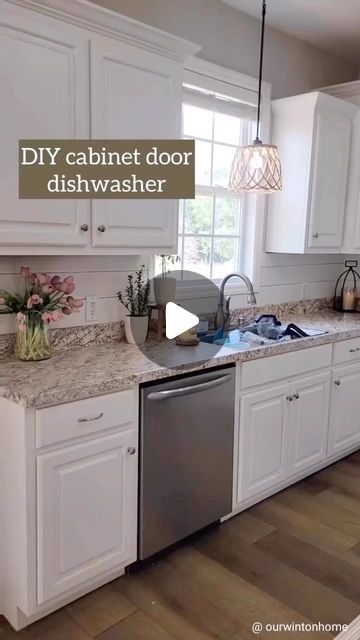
(178, 320)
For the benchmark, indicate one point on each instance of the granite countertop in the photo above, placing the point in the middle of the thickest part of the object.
(95, 370)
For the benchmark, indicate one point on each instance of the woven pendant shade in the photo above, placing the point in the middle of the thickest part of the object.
(256, 168)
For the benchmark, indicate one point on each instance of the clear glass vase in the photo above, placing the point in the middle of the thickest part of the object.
(33, 339)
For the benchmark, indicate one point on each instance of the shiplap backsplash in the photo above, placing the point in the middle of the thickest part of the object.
(283, 278)
(100, 276)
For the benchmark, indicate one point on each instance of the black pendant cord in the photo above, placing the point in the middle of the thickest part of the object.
(257, 140)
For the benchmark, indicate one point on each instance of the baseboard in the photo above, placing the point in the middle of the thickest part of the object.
(288, 482)
(19, 620)
(352, 632)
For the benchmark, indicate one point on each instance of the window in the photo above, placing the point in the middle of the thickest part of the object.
(220, 232)
(211, 227)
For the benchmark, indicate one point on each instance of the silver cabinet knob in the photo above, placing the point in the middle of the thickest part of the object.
(337, 382)
(101, 228)
(84, 227)
(315, 235)
(131, 450)
(296, 396)
(289, 398)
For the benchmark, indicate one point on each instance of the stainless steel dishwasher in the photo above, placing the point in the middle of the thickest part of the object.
(186, 456)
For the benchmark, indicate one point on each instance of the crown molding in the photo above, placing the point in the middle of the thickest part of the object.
(345, 89)
(205, 68)
(87, 15)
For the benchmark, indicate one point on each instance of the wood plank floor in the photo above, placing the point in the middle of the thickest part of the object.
(292, 558)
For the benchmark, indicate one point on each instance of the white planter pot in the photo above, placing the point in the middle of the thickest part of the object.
(136, 329)
(164, 290)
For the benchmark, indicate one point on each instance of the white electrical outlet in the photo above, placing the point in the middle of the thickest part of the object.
(91, 308)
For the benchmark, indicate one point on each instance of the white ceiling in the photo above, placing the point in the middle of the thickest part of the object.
(332, 25)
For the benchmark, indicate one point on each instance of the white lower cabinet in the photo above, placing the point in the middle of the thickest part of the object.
(68, 495)
(69, 473)
(309, 421)
(283, 430)
(264, 416)
(86, 512)
(344, 429)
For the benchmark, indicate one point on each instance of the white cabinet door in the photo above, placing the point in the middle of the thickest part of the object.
(345, 409)
(351, 240)
(86, 514)
(44, 89)
(309, 421)
(134, 94)
(313, 132)
(330, 164)
(264, 422)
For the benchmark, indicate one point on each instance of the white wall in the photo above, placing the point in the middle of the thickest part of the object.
(231, 38)
(97, 276)
(283, 279)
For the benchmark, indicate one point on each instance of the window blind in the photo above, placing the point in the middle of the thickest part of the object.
(217, 95)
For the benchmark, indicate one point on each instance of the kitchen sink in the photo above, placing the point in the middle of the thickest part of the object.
(263, 330)
(230, 338)
(212, 337)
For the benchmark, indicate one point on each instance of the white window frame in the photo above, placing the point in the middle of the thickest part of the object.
(224, 81)
(221, 80)
(217, 191)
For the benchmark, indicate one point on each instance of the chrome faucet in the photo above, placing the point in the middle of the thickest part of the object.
(223, 310)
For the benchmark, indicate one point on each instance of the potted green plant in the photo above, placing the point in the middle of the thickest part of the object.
(136, 301)
(165, 285)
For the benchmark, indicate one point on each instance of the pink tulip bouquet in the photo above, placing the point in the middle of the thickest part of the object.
(45, 299)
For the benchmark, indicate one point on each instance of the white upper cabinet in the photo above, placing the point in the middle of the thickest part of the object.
(313, 133)
(44, 81)
(134, 94)
(351, 238)
(53, 75)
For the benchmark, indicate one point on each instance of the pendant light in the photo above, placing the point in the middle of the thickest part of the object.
(256, 167)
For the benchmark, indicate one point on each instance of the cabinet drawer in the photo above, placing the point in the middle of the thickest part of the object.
(75, 419)
(286, 365)
(346, 351)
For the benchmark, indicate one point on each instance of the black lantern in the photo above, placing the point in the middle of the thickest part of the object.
(347, 288)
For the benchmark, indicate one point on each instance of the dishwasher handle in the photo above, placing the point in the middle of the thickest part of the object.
(185, 391)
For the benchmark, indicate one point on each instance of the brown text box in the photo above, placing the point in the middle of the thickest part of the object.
(106, 169)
